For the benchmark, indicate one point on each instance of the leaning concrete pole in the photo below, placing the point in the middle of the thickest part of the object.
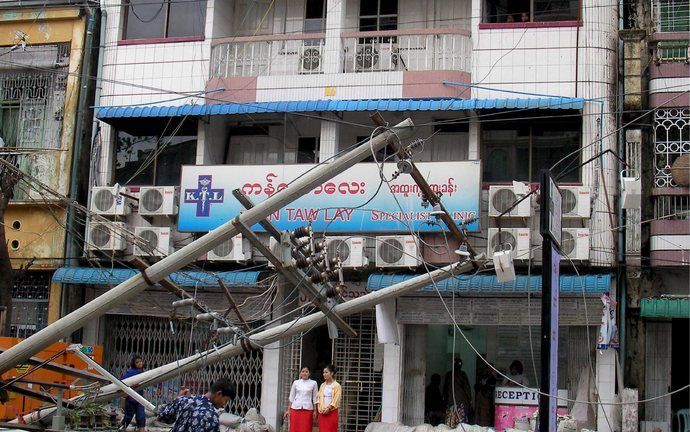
(136, 284)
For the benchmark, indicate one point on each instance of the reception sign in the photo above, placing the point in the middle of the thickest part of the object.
(352, 201)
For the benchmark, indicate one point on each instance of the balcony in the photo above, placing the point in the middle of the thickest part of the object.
(407, 50)
(381, 51)
(288, 54)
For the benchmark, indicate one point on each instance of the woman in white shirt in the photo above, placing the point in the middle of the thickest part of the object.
(301, 403)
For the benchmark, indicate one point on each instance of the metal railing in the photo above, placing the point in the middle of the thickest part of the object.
(407, 50)
(268, 55)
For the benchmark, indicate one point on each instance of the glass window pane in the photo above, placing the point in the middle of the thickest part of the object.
(367, 24)
(131, 153)
(187, 18)
(180, 150)
(388, 23)
(506, 158)
(501, 11)
(368, 7)
(388, 7)
(145, 19)
(314, 9)
(307, 147)
(555, 10)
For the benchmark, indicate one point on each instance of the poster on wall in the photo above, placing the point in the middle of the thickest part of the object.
(355, 200)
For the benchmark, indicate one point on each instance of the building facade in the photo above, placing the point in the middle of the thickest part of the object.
(202, 97)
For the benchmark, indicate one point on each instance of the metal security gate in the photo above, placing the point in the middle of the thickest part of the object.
(657, 368)
(160, 341)
(360, 374)
(30, 296)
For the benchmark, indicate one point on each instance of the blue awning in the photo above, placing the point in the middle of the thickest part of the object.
(106, 276)
(115, 112)
(490, 284)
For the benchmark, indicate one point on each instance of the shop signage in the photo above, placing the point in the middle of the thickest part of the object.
(524, 396)
(351, 201)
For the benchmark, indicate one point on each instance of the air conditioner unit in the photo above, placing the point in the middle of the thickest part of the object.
(310, 59)
(158, 201)
(350, 249)
(281, 252)
(235, 249)
(517, 239)
(367, 57)
(107, 201)
(397, 251)
(106, 236)
(575, 243)
(575, 202)
(152, 241)
(502, 198)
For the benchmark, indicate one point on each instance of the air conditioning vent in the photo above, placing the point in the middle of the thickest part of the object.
(501, 198)
(397, 251)
(235, 249)
(106, 236)
(310, 59)
(350, 250)
(108, 201)
(158, 200)
(367, 57)
(152, 241)
(575, 243)
(515, 239)
(575, 201)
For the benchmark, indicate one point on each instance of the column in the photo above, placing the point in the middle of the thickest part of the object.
(330, 134)
(606, 384)
(270, 384)
(473, 153)
(335, 22)
(392, 380)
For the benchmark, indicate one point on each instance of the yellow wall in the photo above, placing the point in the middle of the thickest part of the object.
(34, 231)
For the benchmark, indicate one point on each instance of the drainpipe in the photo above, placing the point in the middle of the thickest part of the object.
(621, 273)
(72, 243)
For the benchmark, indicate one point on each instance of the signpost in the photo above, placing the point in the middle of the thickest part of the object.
(550, 287)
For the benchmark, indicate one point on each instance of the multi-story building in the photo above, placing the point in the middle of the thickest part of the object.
(657, 145)
(251, 94)
(48, 52)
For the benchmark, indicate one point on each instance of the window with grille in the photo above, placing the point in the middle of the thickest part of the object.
(30, 296)
(162, 19)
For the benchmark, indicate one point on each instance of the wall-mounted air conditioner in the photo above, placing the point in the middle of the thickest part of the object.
(106, 236)
(158, 201)
(515, 239)
(152, 241)
(397, 251)
(350, 250)
(107, 201)
(575, 243)
(575, 202)
(502, 198)
(234, 249)
(310, 59)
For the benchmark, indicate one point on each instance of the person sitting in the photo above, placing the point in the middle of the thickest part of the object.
(510, 19)
(524, 17)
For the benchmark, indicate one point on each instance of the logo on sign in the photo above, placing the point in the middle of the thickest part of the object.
(203, 196)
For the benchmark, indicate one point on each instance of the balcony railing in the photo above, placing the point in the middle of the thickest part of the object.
(397, 50)
(407, 50)
(268, 55)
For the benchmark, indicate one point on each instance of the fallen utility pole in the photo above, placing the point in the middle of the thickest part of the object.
(149, 277)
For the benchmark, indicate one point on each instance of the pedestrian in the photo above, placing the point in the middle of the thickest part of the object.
(516, 376)
(485, 388)
(458, 395)
(301, 403)
(433, 401)
(198, 413)
(133, 409)
(328, 401)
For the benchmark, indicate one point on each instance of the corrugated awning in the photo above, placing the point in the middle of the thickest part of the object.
(490, 284)
(106, 276)
(115, 112)
(665, 308)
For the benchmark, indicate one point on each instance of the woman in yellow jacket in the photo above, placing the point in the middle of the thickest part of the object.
(328, 401)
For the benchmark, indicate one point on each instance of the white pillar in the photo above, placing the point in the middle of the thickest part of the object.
(606, 384)
(335, 22)
(330, 135)
(270, 384)
(392, 380)
(473, 151)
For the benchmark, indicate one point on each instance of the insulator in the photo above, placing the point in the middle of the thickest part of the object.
(419, 142)
(320, 266)
(183, 302)
(318, 258)
(301, 242)
(302, 262)
(331, 292)
(333, 276)
(319, 246)
(206, 317)
(299, 232)
(228, 330)
(334, 262)
(317, 278)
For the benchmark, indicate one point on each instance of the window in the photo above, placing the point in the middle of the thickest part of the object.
(147, 19)
(314, 16)
(674, 15)
(377, 15)
(525, 11)
(30, 296)
(517, 149)
(145, 157)
(307, 149)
